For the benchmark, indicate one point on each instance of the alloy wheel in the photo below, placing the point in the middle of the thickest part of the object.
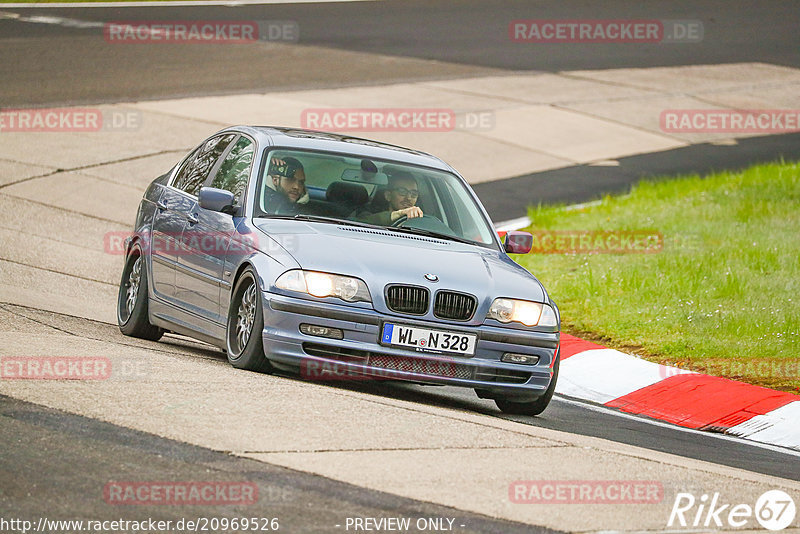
(246, 316)
(134, 278)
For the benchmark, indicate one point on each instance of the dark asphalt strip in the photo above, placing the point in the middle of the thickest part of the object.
(476, 32)
(418, 40)
(564, 415)
(510, 198)
(588, 419)
(55, 464)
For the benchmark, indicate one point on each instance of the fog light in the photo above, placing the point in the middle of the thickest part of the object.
(524, 359)
(321, 331)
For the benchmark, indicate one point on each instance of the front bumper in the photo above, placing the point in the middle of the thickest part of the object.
(359, 355)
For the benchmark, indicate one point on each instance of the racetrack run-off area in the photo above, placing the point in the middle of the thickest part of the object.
(533, 123)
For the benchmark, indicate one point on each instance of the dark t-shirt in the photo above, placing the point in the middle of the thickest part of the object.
(381, 218)
(278, 203)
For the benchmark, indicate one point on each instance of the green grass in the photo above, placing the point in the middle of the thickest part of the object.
(723, 295)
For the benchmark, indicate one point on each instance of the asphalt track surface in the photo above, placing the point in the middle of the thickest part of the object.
(59, 63)
(76, 455)
(564, 414)
(46, 64)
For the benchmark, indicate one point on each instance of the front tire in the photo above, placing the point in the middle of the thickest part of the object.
(534, 407)
(245, 346)
(132, 301)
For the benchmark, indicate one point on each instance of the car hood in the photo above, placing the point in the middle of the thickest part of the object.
(381, 257)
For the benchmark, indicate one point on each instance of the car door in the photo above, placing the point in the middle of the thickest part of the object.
(209, 238)
(195, 275)
(168, 223)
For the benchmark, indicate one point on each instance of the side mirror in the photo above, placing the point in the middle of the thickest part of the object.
(518, 242)
(214, 199)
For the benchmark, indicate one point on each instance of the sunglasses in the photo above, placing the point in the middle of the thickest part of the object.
(410, 193)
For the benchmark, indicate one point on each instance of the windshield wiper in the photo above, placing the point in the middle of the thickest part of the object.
(406, 229)
(320, 218)
(430, 233)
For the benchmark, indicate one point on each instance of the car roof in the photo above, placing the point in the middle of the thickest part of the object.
(333, 142)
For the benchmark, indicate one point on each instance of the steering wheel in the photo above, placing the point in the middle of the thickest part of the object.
(403, 218)
(400, 220)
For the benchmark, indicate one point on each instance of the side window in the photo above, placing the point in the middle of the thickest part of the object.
(180, 176)
(235, 170)
(191, 178)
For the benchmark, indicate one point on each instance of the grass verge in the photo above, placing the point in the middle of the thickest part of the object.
(721, 297)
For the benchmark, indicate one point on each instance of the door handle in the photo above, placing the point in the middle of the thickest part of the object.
(192, 218)
(162, 204)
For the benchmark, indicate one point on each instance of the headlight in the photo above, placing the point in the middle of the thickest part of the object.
(324, 285)
(522, 311)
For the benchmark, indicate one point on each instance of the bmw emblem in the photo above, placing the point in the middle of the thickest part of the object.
(431, 277)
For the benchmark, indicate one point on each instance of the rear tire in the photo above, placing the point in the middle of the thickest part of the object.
(534, 407)
(245, 346)
(132, 301)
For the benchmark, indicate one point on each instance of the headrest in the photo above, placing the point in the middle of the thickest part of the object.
(379, 202)
(347, 193)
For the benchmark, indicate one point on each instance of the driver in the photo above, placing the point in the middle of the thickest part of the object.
(401, 194)
(287, 187)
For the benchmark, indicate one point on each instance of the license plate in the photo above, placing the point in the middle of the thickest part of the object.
(428, 340)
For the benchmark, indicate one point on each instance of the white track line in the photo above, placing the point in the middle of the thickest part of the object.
(654, 422)
(173, 3)
(513, 224)
(44, 19)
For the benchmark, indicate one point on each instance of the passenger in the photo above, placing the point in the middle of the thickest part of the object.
(401, 194)
(286, 192)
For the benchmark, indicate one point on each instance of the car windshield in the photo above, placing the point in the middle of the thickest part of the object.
(338, 187)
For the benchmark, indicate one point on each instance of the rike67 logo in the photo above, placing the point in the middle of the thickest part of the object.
(774, 510)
